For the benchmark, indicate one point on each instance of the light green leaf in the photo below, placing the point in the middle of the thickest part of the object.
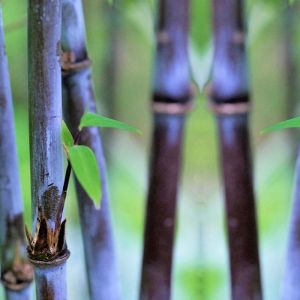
(66, 136)
(85, 166)
(94, 120)
(291, 123)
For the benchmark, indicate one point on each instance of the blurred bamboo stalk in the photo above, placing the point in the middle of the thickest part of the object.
(291, 70)
(78, 97)
(47, 248)
(230, 102)
(290, 288)
(171, 101)
(16, 272)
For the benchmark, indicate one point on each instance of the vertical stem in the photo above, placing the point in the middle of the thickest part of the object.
(290, 13)
(16, 272)
(171, 100)
(47, 248)
(290, 288)
(230, 102)
(79, 97)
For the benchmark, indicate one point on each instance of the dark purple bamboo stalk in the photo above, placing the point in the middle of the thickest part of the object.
(230, 102)
(16, 272)
(47, 249)
(171, 100)
(79, 97)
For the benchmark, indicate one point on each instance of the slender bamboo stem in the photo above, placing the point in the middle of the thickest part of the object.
(79, 97)
(47, 248)
(16, 272)
(230, 102)
(290, 13)
(290, 288)
(171, 99)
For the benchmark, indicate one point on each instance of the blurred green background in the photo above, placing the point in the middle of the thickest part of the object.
(122, 81)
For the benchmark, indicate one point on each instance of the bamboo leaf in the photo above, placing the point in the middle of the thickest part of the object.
(290, 123)
(66, 136)
(94, 120)
(85, 166)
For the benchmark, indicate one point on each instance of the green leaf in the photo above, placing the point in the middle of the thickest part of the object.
(94, 120)
(291, 123)
(66, 136)
(85, 166)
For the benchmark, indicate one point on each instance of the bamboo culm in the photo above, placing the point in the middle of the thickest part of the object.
(230, 102)
(16, 272)
(47, 248)
(171, 100)
(79, 97)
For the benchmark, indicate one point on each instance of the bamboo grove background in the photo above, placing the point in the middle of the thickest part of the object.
(122, 80)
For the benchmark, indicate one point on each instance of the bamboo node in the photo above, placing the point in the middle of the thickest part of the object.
(70, 65)
(172, 108)
(162, 37)
(230, 108)
(19, 276)
(239, 37)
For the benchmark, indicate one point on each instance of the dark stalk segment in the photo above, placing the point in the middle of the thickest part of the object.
(171, 101)
(230, 102)
(78, 97)
(47, 248)
(16, 272)
(161, 206)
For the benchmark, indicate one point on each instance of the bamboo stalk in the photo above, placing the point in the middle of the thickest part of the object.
(171, 100)
(79, 97)
(47, 248)
(16, 272)
(290, 288)
(230, 102)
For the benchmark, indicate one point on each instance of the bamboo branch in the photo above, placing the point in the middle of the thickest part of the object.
(230, 102)
(79, 97)
(47, 248)
(171, 100)
(16, 272)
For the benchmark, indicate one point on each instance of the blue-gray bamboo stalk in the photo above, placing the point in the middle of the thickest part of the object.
(16, 272)
(290, 287)
(47, 249)
(79, 97)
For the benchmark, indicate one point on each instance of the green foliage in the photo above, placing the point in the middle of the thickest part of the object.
(94, 120)
(85, 166)
(290, 123)
(66, 136)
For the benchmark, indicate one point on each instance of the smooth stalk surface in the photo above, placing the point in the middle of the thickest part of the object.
(16, 272)
(79, 97)
(47, 247)
(230, 102)
(171, 96)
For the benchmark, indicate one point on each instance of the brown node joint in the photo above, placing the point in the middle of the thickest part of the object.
(162, 37)
(239, 37)
(230, 108)
(172, 108)
(18, 277)
(70, 65)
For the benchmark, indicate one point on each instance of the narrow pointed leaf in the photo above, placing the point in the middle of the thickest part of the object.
(85, 166)
(290, 123)
(66, 136)
(94, 120)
